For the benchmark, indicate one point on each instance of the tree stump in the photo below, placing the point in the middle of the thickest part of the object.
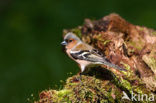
(129, 46)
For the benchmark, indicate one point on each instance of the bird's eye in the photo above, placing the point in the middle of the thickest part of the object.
(70, 41)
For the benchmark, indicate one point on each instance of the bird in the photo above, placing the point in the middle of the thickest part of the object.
(84, 54)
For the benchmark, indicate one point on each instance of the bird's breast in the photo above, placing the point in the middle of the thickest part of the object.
(83, 62)
(68, 53)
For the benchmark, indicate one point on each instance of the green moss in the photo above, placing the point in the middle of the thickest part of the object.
(127, 67)
(126, 81)
(63, 95)
(141, 28)
(150, 61)
(127, 73)
(106, 41)
(100, 38)
(154, 33)
(130, 51)
(91, 90)
(63, 92)
(126, 84)
(138, 45)
(77, 32)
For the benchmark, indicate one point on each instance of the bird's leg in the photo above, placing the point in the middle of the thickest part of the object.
(80, 78)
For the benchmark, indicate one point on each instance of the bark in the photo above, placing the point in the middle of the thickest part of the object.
(129, 46)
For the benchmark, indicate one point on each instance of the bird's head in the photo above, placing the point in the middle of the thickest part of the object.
(70, 40)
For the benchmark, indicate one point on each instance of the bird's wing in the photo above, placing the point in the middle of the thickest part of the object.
(87, 55)
(93, 56)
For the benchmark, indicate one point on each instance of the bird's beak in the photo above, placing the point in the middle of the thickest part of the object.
(64, 43)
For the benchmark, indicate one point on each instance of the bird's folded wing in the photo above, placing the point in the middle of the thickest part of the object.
(87, 55)
(91, 56)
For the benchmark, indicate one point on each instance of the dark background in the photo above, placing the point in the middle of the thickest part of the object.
(31, 58)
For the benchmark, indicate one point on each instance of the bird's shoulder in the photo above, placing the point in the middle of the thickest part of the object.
(85, 49)
(90, 54)
(82, 46)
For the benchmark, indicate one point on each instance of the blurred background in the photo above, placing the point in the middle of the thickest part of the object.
(31, 57)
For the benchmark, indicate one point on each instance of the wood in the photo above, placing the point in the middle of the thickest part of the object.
(129, 46)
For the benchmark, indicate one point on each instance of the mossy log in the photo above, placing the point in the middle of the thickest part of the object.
(129, 46)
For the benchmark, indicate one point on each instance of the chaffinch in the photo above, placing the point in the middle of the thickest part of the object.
(84, 54)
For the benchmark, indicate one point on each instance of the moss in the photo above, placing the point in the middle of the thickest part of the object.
(101, 39)
(88, 90)
(106, 41)
(150, 61)
(63, 93)
(77, 31)
(125, 81)
(106, 85)
(63, 96)
(130, 51)
(141, 28)
(91, 90)
(154, 33)
(126, 84)
(137, 45)
(128, 73)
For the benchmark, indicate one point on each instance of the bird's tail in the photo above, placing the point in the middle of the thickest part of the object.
(113, 66)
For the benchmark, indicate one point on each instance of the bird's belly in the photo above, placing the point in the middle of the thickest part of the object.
(83, 62)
